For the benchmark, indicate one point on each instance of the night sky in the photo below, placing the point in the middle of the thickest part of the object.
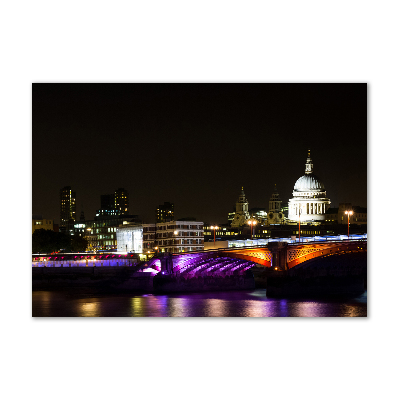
(195, 144)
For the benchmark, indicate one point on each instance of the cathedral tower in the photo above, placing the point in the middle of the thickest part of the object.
(275, 215)
(242, 211)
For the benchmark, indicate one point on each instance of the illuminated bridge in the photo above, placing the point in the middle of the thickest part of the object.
(225, 262)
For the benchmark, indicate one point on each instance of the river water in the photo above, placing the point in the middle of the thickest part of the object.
(215, 304)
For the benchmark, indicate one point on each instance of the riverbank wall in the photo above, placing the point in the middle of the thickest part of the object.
(107, 279)
(126, 279)
(179, 283)
(321, 286)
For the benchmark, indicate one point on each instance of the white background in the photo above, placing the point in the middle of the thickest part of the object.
(207, 41)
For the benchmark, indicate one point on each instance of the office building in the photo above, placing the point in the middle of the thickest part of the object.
(339, 216)
(121, 201)
(165, 212)
(173, 237)
(67, 209)
(39, 223)
(114, 204)
(101, 233)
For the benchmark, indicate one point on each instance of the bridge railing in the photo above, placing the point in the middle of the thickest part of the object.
(290, 243)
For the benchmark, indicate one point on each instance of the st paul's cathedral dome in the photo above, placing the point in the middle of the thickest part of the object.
(309, 202)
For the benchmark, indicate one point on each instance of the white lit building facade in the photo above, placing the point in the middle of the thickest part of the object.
(309, 203)
(130, 238)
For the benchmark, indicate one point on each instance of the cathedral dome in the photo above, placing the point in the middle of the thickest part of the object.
(309, 202)
(307, 183)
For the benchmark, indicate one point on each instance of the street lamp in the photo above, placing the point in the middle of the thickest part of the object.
(214, 228)
(252, 223)
(175, 234)
(299, 221)
(348, 222)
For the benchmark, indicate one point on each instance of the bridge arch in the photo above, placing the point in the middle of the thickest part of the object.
(287, 256)
(298, 254)
(278, 255)
(209, 263)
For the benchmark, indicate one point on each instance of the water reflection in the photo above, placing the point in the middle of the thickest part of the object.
(283, 307)
(137, 307)
(215, 308)
(219, 304)
(308, 309)
(253, 308)
(178, 307)
(42, 301)
(351, 311)
(89, 309)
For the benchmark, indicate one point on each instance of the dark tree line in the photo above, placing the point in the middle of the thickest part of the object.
(46, 241)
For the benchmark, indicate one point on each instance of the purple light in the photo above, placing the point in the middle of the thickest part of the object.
(152, 270)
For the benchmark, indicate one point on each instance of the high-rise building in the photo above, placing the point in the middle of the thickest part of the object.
(107, 202)
(114, 204)
(165, 212)
(67, 209)
(121, 201)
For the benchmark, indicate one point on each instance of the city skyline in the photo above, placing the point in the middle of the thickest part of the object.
(195, 145)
